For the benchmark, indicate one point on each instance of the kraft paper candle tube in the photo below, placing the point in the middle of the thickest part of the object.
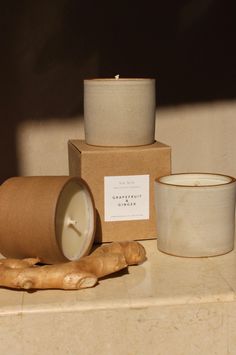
(50, 217)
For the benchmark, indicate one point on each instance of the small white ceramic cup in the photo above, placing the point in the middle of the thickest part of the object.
(195, 214)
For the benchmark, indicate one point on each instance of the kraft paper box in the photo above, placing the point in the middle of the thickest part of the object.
(122, 184)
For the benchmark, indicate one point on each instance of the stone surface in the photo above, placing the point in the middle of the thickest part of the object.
(167, 305)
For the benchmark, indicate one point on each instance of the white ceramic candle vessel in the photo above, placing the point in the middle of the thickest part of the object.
(119, 111)
(195, 214)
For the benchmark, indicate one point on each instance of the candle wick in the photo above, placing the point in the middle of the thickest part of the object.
(117, 76)
(73, 224)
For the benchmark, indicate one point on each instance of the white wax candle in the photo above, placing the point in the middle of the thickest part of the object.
(195, 179)
(195, 214)
(119, 111)
(74, 221)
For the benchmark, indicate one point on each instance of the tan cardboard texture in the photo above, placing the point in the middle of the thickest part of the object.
(28, 217)
(94, 163)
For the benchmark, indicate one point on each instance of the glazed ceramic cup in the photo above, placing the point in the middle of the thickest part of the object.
(195, 214)
(119, 112)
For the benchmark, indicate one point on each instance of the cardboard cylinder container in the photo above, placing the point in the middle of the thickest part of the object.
(50, 217)
(119, 111)
(195, 214)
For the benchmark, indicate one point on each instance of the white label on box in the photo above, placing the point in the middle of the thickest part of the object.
(126, 198)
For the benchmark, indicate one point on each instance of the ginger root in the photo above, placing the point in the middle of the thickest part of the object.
(105, 260)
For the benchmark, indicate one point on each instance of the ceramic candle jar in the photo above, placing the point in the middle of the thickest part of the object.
(195, 214)
(50, 217)
(119, 111)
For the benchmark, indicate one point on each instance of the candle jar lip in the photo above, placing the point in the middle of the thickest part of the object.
(197, 181)
(120, 79)
(88, 243)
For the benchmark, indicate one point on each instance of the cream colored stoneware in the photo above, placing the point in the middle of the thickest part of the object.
(119, 111)
(195, 214)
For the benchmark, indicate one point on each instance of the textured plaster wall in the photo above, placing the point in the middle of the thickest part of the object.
(49, 47)
(202, 137)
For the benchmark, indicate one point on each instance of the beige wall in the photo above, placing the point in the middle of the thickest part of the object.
(202, 137)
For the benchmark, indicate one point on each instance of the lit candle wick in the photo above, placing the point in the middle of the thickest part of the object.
(73, 224)
(117, 77)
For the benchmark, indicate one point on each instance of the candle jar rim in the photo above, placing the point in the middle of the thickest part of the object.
(124, 79)
(87, 245)
(196, 177)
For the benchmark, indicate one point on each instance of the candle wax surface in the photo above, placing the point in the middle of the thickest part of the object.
(74, 221)
(195, 180)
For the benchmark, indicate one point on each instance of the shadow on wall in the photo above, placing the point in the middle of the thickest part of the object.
(48, 48)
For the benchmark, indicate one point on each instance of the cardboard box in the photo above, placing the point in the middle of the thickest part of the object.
(122, 183)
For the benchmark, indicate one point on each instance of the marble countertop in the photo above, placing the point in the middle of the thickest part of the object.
(161, 284)
(161, 280)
